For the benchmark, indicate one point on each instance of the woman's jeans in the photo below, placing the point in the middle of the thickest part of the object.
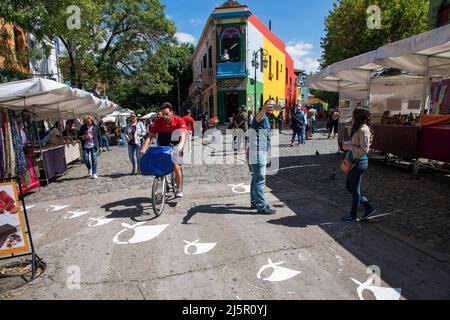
(132, 151)
(354, 179)
(258, 183)
(93, 164)
(105, 141)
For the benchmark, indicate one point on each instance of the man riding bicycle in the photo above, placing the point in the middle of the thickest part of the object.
(164, 128)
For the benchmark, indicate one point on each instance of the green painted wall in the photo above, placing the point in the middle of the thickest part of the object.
(251, 94)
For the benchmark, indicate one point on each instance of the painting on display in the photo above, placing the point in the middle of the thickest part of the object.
(14, 238)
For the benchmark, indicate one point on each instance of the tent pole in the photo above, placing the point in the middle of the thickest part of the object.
(40, 148)
(426, 88)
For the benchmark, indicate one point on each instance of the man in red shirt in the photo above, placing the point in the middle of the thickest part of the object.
(190, 124)
(170, 129)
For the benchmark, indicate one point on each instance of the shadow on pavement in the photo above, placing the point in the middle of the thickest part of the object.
(218, 209)
(402, 266)
(136, 209)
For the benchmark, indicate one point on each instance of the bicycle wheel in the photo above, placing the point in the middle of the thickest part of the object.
(159, 195)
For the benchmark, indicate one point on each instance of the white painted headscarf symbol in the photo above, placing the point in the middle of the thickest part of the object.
(75, 214)
(141, 234)
(240, 188)
(200, 248)
(58, 208)
(373, 284)
(279, 273)
(97, 222)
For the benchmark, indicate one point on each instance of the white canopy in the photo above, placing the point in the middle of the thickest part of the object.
(47, 98)
(122, 113)
(152, 115)
(424, 56)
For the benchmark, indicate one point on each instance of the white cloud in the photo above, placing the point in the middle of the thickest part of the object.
(302, 56)
(196, 22)
(185, 37)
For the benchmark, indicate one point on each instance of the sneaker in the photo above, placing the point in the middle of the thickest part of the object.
(90, 174)
(133, 172)
(267, 211)
(253, 207)
(349, 219)
(95, 176)
(179, 193)
(368, 214)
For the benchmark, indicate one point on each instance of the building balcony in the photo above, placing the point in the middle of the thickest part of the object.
(231, 70)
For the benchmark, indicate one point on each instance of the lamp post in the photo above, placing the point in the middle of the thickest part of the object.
(256, 65)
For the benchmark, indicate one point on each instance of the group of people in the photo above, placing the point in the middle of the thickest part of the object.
(139, 139)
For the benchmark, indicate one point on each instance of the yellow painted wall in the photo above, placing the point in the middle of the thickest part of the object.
(275, 88)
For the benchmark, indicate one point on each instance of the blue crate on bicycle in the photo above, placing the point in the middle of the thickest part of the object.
(157, 162)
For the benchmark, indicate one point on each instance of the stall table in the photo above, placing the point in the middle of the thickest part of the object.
(54, 161)
(72, 152)
(435, 143)
(399, 140)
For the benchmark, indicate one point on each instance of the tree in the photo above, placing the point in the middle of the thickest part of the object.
(348, 35)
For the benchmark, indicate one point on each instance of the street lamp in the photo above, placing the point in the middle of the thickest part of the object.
(256, 65)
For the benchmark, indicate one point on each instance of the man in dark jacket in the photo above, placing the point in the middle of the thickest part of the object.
(91, 138)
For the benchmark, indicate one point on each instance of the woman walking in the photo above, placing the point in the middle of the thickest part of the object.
(358, 150)
(134, 134)
(91, 138)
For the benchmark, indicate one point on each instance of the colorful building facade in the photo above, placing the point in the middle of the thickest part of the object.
(225, 76)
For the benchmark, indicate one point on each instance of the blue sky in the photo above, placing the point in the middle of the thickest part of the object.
(299, 23)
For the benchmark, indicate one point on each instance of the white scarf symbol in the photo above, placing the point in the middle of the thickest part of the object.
(141, 234)
(200, 248)
(279, 273)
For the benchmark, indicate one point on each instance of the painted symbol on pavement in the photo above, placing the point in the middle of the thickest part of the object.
(75, 214)
(28, 207)
(200, 248)
(373, 284)
(141, 234)
(58, 208)
(96, 222)
(279, 273)
(240, 188)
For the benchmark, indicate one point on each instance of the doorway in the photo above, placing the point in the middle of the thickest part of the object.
(231, 104)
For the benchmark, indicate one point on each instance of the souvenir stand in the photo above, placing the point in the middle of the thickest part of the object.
(397, 80)
(41, 99)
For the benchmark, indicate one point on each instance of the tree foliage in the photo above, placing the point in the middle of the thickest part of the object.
(126, 47)
(347, 33)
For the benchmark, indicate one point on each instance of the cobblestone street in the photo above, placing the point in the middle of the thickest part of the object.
(74, 219)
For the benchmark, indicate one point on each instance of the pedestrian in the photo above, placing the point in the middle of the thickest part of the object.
(204, 119)
(104, 132)
(280, 119)
(298, 126)
(190, 125)
(258, 156)
(241, 123)
(250, 119)
(91, 137)
(358, 149)
(134, 134)
(312, 120)
(334, 123)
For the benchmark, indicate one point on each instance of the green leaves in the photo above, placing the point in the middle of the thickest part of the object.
(347, 33)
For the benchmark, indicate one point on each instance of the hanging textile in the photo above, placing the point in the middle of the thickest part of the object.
(2, 152)
(21, 162)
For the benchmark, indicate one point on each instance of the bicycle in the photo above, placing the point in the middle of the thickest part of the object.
(161, 186)
(157, 165)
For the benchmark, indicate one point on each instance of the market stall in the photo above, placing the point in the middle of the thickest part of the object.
(398, 81)
(41, 99)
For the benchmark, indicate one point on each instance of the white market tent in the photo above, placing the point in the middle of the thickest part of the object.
(422, 58)
(49, 99)
(151, 115)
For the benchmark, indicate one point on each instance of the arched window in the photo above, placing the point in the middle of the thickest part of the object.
(231, 45)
